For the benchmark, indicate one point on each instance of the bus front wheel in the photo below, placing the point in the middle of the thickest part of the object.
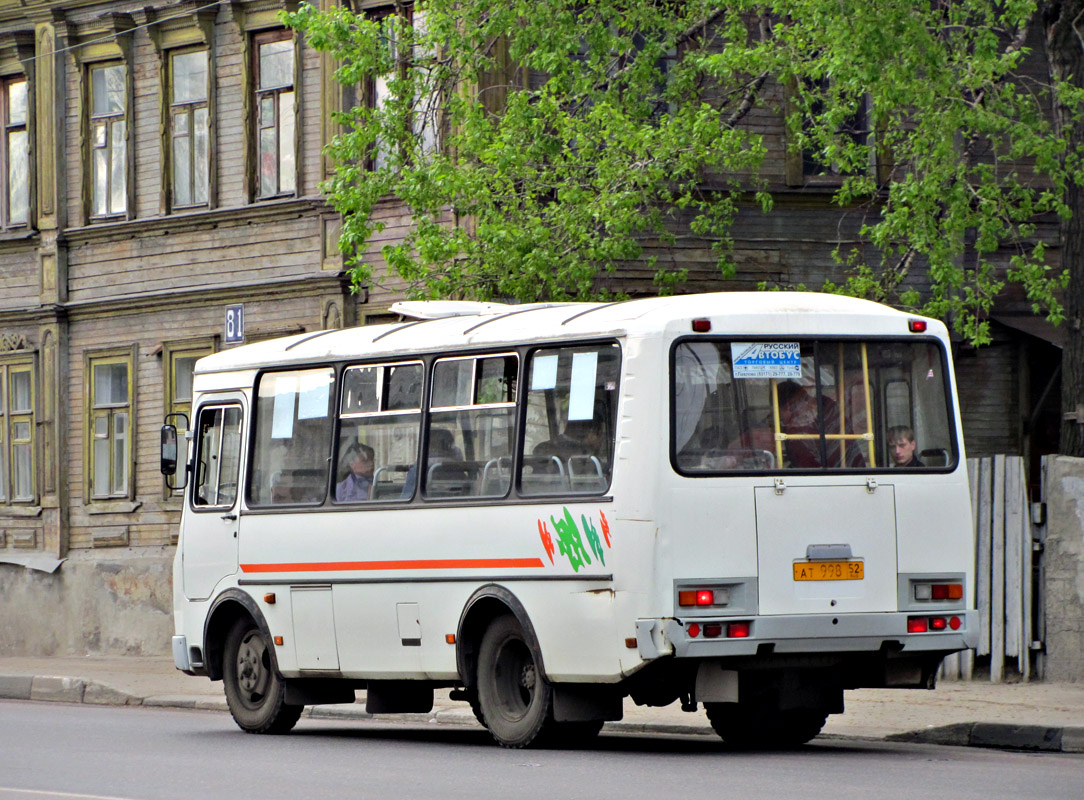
(514, 699)
(254, 691)
(747, 726)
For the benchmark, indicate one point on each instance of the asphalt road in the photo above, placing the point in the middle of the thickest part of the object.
(52, 751)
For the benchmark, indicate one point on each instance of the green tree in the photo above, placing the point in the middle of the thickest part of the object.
(541, 188)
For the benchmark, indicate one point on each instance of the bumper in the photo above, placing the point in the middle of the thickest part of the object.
(808, 633)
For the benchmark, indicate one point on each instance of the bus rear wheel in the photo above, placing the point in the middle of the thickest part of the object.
(751, 727)
(255, 693)
(515, 701)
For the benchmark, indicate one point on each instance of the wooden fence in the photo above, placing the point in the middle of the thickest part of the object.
(1003, 571)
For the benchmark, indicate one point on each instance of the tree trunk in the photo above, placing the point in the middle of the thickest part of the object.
(1065, 51)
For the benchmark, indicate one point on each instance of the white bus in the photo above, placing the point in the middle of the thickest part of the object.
(749, 502)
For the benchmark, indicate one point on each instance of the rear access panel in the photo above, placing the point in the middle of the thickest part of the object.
(826, 549)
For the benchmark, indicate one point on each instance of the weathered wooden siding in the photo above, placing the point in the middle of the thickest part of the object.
(311, 154)
(989, 387)
(146, 126)
(19, 277)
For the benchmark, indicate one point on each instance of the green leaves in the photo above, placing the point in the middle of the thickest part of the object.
(539, 146)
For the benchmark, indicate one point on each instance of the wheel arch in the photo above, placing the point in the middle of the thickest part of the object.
(485, 605)
(228, 607)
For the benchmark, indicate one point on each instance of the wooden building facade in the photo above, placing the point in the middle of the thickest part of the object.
(160, 163)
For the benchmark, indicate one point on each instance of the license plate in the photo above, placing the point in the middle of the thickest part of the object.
(828, 571)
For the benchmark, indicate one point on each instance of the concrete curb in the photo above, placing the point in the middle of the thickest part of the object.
(1001, 736)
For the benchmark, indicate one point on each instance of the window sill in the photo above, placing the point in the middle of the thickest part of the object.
(17, 234)
(113, 507)
(20, 512)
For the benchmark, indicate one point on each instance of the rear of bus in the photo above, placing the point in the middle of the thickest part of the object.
(818, 518)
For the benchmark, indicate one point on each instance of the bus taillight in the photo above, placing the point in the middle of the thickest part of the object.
(738, 630)
(696, 597)
(939, 591)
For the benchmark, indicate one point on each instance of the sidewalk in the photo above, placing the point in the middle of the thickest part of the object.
(1025, 716)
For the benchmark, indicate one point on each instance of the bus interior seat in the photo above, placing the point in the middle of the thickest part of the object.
(496, 477)
(298, 486)
(388, 481)
(585, 473)
(935, 457)
(451, 479)
(544, 474)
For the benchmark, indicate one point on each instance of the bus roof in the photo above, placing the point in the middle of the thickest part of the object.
(439, 325)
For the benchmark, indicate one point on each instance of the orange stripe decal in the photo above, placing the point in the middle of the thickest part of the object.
(365, 566)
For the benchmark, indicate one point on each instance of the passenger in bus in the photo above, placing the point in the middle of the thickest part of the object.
(580, 437)
(798, 419)
(358, 482)
(902, 445)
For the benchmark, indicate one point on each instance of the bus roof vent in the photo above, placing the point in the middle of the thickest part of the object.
(439, 309)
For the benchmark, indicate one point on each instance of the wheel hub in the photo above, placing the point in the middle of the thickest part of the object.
(528, 677)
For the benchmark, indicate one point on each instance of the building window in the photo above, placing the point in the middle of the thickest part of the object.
(275, 114)
(108, 140)
(818, 157)
(423, 118)
(17, 484)
(189, 123)
(110, 434)
(16, 153)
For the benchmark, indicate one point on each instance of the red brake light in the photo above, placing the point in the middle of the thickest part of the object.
(917, 625)
(705, 597)
(713, 630)
(701, 325)
(738, 630)
(940, 591)
(916, 325)
(938, 623)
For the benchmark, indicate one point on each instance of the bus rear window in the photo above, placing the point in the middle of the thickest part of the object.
(809, 406)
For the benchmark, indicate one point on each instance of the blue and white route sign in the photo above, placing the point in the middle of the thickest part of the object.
(766, 359)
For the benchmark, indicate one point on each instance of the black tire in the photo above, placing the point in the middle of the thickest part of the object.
(748, 727)
(254, 691)
(515, 701)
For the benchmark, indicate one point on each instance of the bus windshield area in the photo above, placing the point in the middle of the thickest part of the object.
(801, 405)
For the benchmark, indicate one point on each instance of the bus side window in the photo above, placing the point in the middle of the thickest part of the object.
(292, 438)
(571, 410)
(471, 427)
(380, 419)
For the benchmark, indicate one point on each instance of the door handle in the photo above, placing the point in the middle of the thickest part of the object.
(229, 517)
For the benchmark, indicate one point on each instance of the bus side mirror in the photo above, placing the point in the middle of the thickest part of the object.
(169, 450)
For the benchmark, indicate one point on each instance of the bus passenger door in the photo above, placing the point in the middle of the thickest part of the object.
(209, 536)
